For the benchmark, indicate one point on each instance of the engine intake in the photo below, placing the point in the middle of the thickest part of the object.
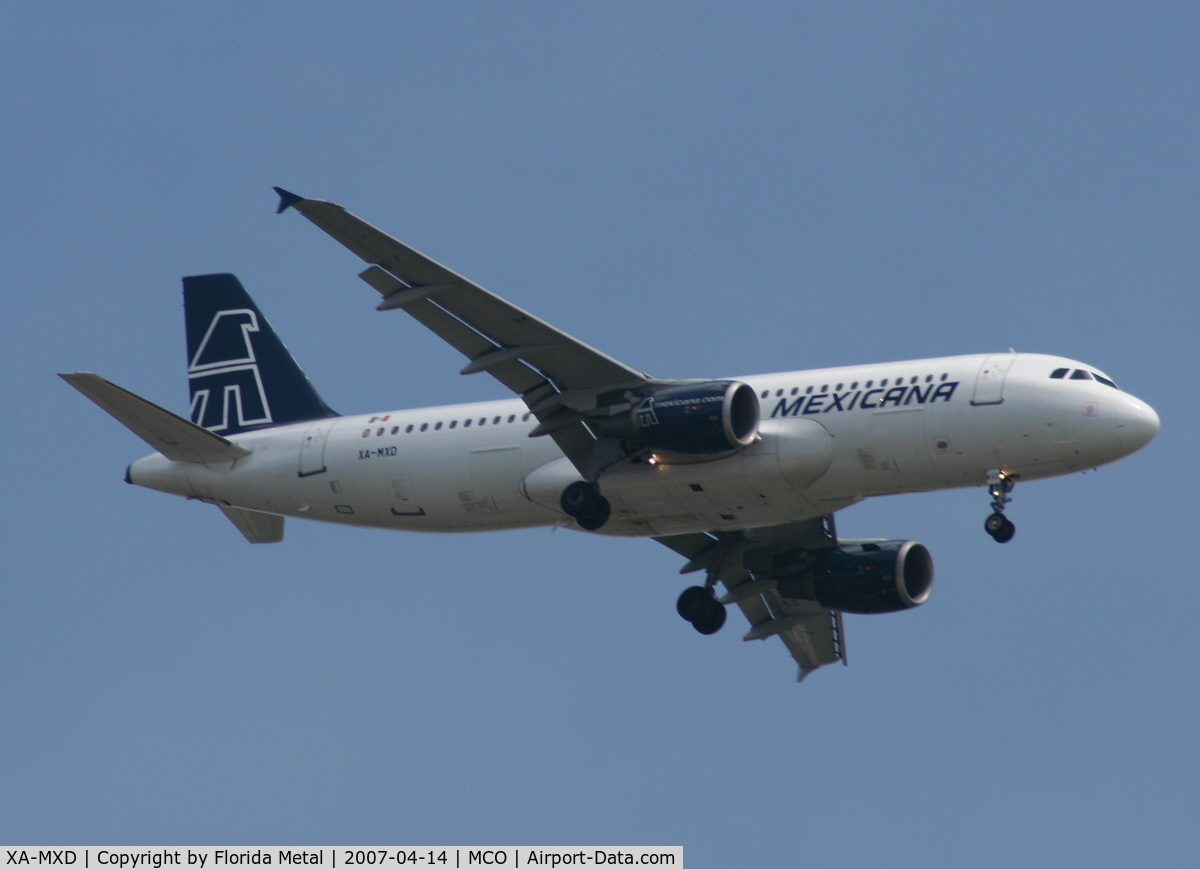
(707, 418)
(874, 577)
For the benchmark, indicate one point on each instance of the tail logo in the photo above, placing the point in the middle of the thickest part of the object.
(225, 366)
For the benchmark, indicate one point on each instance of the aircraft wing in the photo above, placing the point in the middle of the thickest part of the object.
(559, 377)
(752, 566)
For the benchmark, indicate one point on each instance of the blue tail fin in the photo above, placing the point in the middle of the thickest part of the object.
(240, 375)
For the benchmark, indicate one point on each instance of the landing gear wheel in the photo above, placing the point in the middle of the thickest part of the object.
(698, 606)
(583, 502)
(596, 519)
(711, 620)
(579, 499)
(999, 527)
(693, 602)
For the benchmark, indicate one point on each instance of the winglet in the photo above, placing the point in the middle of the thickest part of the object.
(286, 199)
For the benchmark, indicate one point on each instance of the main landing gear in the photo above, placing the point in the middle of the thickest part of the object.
(699, 606)
(724, 562)
(583, 502)
(998, 525)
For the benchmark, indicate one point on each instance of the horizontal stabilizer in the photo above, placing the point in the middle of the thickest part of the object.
(255, 527)
(175, 437)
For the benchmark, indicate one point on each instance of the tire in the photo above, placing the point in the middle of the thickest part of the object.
(579, 499)
(595, 519)
(1006, 532)
(693, 602)
(711, 620)
(995, 523)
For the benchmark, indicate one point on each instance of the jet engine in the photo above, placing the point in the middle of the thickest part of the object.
(692, 419)
(882, 576)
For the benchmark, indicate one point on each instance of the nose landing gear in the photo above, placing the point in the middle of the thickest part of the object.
(998, 525)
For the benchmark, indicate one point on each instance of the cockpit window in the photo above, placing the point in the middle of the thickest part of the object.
(1059, 373)
(1080, 374)
(1105, 381)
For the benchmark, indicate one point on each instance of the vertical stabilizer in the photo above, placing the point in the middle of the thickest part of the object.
(240, 375)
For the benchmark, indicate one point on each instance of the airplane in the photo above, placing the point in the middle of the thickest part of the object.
(741, 476)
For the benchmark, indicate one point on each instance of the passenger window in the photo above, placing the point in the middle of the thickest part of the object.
(366, 431)
(1080, 374)
(825, 387)
(466, 423)
(766, 393)
(869, 384)
(525, 418)
(943, 377)
(914, 380)
(482, 420)
(395, 429)
(883, 382)
(453, 423)
(496, 421)
(795, 389)
(854, 385)
(808, 391)
(512, 418)
(408, 430)
(838, 388)
(380, 432)
(424, 426)
(928, 378)
(437, 427)
(1059, 373)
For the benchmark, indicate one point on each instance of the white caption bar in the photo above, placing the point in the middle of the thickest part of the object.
(340, 857)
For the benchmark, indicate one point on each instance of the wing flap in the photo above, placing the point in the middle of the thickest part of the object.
(815, 638)
(178, 439)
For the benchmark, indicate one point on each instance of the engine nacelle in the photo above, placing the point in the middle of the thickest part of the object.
(693, 419)
(874, 577)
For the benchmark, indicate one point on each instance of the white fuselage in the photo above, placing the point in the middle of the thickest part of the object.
(828, 438)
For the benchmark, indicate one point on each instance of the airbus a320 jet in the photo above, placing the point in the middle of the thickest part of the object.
(741, 476)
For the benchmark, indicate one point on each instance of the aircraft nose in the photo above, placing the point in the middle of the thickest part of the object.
(1138, 425)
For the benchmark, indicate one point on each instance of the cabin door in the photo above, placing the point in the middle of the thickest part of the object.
(989, 382)
(312, 448)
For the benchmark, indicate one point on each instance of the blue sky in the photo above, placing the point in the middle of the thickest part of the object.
(698, 190)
